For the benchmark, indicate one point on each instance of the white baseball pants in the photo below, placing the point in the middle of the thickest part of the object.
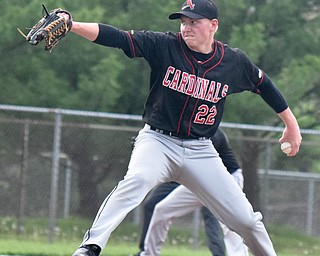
(159, 158)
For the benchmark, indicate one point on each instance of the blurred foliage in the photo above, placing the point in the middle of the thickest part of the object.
(276, 35)
(281, 37)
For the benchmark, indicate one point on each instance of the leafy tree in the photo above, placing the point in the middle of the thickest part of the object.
(281, 37)
(300, 80)
(274, 34)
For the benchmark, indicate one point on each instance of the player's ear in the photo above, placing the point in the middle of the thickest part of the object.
(215, 25)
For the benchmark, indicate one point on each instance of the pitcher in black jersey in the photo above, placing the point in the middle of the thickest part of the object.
(191, 76)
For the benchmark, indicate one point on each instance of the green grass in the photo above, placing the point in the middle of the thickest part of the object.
(288, 242)
(33, 241)
(29, 248)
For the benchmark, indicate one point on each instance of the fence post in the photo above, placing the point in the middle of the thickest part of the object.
(265, 181)
(196, 228)
(67, 191)
(23, 177)
(310, 206)
(54, 176)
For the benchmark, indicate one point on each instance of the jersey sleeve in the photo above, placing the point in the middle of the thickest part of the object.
(261, 84)
(250, 73)
(271, 95)
(145, 44)
(113, 37)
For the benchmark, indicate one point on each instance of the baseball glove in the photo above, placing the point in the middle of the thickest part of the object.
(51, 28)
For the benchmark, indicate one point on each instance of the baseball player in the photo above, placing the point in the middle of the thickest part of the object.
(181, 201)
(192, 74)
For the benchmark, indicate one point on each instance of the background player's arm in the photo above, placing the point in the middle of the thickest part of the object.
(291, 132)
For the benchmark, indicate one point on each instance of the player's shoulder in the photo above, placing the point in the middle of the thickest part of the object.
(236, 54)
(232, 50)
(167, 34)
(156, 36)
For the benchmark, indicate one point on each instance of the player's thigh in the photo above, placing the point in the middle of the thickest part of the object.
(150, 160)
(207, 176)
(210, 181)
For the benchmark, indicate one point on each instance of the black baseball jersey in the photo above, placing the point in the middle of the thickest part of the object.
(222, 145)
(187, 95)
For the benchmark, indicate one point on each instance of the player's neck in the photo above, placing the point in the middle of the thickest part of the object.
(203, 48)
(201, 57)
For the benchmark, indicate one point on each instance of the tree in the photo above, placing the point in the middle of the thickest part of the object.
(276, 33)
(281, 37)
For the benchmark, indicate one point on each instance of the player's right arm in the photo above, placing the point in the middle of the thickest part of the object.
(89, 31)
(274, 98)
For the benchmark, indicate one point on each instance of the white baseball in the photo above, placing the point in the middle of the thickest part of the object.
(286, 147)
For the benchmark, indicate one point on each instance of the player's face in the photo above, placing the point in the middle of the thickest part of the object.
(198, 33)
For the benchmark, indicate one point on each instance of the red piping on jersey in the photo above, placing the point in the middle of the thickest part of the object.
(262, 77)
(222, 55)
(132, 45)
(213, 54)
(193, 112)
(260, 82)
(185, 104)
(193, 72)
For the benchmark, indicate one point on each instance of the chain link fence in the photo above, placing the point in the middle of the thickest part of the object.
(58, 163)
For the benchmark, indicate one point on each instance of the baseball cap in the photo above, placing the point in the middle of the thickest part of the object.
(197, 9)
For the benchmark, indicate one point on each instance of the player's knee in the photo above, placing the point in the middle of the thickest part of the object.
(249, 224)
(252, 222)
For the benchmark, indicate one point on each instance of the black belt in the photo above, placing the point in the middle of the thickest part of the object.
(175, 135)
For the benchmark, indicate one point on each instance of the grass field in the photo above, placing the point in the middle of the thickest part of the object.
(123, 242)
(66, 249)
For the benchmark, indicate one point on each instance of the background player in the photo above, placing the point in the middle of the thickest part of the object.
(212, 227)
(178, 203)
(183, 202)
(191, 76)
